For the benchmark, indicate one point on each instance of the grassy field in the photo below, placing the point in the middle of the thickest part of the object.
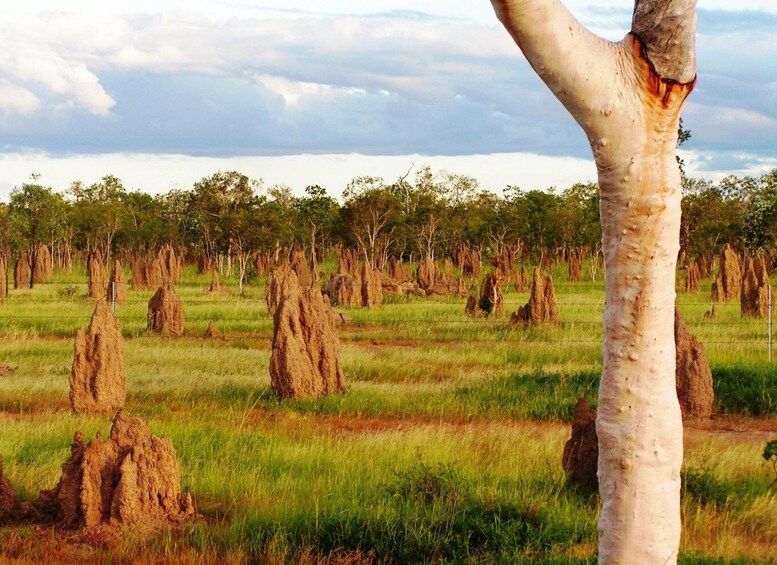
(445, 448)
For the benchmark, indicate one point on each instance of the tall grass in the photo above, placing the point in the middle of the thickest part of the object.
(446, 446)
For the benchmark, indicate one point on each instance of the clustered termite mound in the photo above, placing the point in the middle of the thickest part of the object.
(542, 307)
(729, 279)
(129, 480)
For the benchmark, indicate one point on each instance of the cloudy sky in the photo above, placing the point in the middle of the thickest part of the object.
(163, 92)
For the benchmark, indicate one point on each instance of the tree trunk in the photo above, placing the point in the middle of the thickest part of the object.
(627, 98)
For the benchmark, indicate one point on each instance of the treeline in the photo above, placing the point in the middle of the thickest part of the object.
(228, 220)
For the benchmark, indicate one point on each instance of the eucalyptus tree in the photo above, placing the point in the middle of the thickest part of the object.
(36, 216)
(627, 97)
(98, 213)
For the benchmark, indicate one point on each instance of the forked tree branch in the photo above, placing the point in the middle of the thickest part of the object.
(667, 30)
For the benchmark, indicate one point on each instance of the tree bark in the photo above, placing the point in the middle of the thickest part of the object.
(627, 98)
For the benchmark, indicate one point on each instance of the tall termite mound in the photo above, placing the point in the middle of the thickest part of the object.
(342, 290)
(42, 265)
(581, 451)
(576, 257)
(21, 272)
(98, 376)
(521, 280)
(542, 307)
(704, 263)
(7, 493)
(97, 277)
(165, 312)
(117, 285)
(203, 263)
(693, 376)
(132, 479)
(491, 301)
(299, 264)
(399, 271)
(503, 263)
(754, 297)
(169, 265)
(729, 280)
(215, 285)
(692, 278)
(146, 274)
(372, 287)
(346, 261)
(467, 260)
(305, 358)
(427, 273)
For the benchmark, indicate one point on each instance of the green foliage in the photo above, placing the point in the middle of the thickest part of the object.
(426, 484)
(770, 451)
(770, 454)
(705, 487)
(745, 390)
(68, 292)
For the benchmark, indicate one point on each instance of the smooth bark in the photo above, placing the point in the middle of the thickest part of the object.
(627, 98)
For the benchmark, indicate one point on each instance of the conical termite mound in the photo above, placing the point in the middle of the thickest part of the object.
(542, 307)
(42, 264)
(398, 270)
(165, 312)
(692, 278)
(98, 376)
(21, 272)
(521, 280)
(581, 451)
(213, 332)
(427, 273)
(372, 288)
(729, 280)
(97, 277)
(305, 358)
(130, 480)
(756, 289)
(117, 285)
(168, 265)
(693, 376)
(342, 290)
(299, 265)
(576, 257)
(216, 287)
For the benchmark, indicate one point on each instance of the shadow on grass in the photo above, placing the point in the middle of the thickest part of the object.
(431, 514)
(539, 396)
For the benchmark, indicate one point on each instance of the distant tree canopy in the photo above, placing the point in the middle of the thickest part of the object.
(229, 214)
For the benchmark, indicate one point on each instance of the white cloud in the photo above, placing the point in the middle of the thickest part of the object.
(34, 57)
(17, 100)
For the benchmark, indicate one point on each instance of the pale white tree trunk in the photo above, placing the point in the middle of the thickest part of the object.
(627, 98)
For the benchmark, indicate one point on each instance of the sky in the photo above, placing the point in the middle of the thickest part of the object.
(301, 92)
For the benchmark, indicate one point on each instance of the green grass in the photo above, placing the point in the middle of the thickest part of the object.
(445, 448)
